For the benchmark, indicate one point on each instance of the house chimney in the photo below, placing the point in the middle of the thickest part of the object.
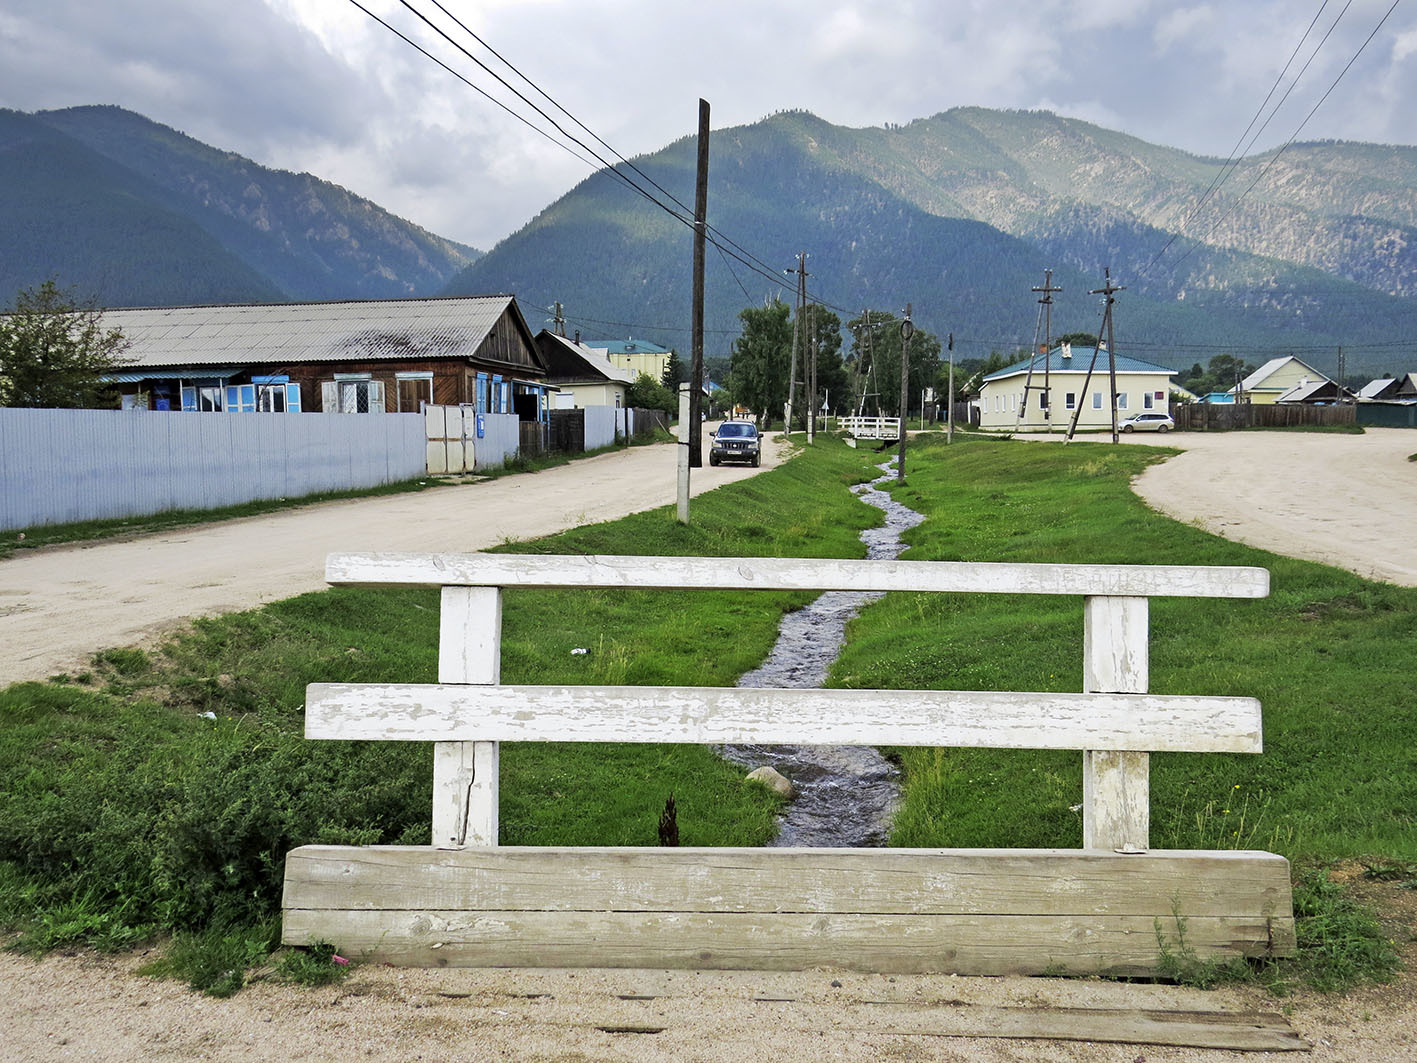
(1067, 349)
(578, 337)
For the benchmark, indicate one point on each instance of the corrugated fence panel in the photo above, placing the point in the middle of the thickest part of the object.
(58, 466)
(501, 440)
(599, 426)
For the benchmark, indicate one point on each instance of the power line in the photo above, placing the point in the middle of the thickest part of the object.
(1298, 129)
(1227, 170)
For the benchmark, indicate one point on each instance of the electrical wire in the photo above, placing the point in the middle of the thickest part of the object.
(1297, 130)
(1227, 169)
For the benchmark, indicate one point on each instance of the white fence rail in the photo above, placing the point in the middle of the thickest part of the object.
(870, 427)
(466, 900)
(58, 466)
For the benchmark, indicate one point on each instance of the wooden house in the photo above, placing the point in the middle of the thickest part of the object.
(366, 356)
(583, 375)
(1277, 378)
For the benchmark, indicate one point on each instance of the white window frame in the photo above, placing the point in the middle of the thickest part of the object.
(1097, 400)
(1070, 400)
(1121, 400)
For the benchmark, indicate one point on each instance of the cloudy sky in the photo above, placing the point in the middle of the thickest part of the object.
(318, 85)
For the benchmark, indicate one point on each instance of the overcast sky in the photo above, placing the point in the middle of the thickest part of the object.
(317, 85)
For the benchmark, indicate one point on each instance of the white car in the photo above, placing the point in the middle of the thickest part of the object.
(1148, 422)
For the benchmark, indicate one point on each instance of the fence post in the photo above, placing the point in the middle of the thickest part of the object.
(1116, 791)
(465, 774)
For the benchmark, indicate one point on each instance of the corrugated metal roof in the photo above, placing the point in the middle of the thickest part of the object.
(1079, 362)
(289, 333)
(595, 364)
(628, 347)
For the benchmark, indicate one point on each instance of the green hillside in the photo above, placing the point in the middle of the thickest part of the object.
(960, 214)
(69, 213)
(137, 213)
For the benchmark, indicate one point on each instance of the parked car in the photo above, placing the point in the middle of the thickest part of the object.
(736, 441)
(1148, 422)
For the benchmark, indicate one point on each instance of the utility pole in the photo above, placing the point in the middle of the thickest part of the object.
(811, 374)
(560, 321)
(950, 435)
(1108, 289)
(1047, 302)
(696, 366)
(801, 272)
(907, 329)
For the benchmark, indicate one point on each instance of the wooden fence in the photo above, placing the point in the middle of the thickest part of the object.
(1203, 416)
(1108, 907)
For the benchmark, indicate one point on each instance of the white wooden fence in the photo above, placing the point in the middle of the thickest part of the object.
(465, 900)
(870, 427)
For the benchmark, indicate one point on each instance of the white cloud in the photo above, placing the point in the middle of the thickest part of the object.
(317, 85)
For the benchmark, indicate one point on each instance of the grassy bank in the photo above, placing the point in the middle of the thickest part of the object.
(160, 793)
(1326, 653)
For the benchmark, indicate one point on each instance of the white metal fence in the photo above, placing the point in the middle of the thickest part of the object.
(58, 466)
(459, 439)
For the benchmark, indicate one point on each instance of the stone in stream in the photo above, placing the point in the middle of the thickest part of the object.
(772, 779)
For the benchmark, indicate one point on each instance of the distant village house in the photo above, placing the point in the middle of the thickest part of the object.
(1059, 387)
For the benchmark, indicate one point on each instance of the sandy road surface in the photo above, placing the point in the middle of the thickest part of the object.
(58, 607)
(1345, 500)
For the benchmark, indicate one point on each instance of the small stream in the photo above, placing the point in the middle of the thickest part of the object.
(846, 795)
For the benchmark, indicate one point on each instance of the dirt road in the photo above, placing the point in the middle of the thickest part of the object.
(1345, 500)
(58, 607)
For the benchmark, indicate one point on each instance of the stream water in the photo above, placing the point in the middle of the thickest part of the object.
(845, 795)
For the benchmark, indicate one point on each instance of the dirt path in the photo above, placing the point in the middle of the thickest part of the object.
(58, 607)
(1345, 500)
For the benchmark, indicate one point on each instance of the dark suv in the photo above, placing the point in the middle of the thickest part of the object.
(736, 441)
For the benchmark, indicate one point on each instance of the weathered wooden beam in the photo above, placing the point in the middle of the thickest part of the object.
(465, 773)
(757, 573)
(718, 715)
(898, 944)
(1116, 782)
(1044, 882)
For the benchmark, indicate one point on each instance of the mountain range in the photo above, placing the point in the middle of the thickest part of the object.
(960, 214)
(1298, 251)
(133, 213)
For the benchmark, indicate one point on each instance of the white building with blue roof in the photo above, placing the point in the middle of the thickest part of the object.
(1057, 390)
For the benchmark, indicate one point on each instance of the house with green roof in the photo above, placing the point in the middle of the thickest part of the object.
(1013, 400)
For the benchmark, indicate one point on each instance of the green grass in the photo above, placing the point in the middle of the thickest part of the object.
(161, 794)
(85, 531)
(125, 813)
(1324, 653)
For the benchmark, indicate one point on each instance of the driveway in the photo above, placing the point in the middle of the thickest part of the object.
(59, 606)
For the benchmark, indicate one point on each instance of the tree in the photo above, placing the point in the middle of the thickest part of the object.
(1079, 339)
(833, 382)
(761, 358)
(54, 351)
(675, 372)
(878, 343)
(646, 394)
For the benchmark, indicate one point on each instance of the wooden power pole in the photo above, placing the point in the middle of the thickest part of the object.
(696, 365)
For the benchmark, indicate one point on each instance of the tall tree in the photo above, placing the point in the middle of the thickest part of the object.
(761, 358)
(878, 340)
(675, 372)
(54, 351)
(833, 381)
